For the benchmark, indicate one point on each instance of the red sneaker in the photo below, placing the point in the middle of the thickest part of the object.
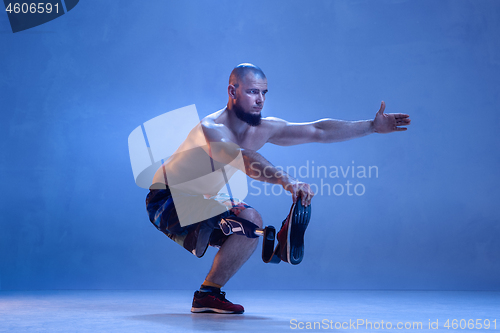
(291, 235)
(214, 302)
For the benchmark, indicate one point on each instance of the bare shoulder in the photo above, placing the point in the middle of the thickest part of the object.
(212, 119)
(214, 129)
(285, 133)
(274, 121)
(272, 126)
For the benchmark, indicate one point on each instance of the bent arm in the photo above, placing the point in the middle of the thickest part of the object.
(223, 152)
(254, 164)
(258, 168)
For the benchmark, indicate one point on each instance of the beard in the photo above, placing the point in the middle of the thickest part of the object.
(249, 118)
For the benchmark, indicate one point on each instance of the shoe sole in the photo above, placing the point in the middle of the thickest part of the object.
(296, 230)
(212, 310)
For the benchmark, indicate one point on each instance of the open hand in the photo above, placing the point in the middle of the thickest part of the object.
(390, 122)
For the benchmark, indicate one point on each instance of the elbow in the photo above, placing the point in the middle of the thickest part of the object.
(321, 136)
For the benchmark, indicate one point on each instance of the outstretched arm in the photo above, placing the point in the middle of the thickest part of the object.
(332, 130)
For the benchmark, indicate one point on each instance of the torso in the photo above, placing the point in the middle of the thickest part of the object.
(191, 160)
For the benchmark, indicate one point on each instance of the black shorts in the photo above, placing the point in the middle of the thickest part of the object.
(195, 237)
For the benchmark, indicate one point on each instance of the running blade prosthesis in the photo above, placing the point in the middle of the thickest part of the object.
(290, 247)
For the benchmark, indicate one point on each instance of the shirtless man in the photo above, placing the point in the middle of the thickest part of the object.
(239, 129)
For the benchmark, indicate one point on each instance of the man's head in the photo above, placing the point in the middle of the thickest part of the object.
(247, 92)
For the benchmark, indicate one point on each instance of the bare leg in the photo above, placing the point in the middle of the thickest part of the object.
(235, 251)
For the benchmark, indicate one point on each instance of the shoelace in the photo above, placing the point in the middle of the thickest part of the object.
(220, 296)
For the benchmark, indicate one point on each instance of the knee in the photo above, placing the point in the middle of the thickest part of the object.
(252, 215)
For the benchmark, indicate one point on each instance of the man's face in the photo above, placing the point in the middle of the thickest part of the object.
(250, 98)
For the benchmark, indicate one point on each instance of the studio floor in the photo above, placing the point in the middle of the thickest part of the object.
(265, 311)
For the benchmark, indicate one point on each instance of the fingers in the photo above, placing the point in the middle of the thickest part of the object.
(382, 108)
(400, 119)
(306, 194)
(301, 190)
(308, 198)
(402, 122)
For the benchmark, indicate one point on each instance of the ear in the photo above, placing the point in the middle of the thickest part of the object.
(231, 91)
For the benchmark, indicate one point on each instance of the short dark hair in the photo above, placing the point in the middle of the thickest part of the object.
(240, 71)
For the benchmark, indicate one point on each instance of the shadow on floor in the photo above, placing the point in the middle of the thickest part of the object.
(212, 321)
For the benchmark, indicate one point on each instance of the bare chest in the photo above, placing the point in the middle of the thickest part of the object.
(253, 139)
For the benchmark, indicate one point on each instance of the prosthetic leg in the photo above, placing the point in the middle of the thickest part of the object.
(290, 247)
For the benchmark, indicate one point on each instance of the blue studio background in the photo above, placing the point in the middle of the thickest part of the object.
(73, 89)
